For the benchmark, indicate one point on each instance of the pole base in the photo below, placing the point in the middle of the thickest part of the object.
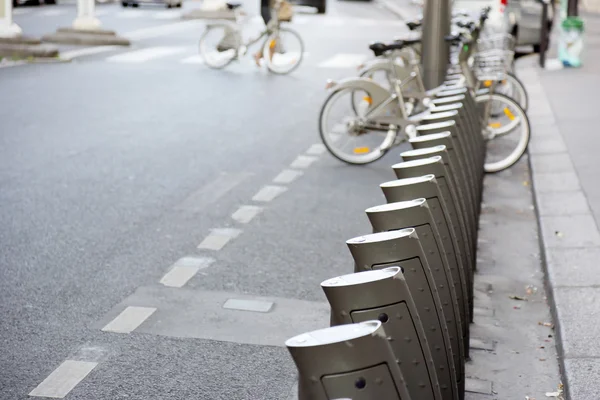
(86, 24)
(10, 31)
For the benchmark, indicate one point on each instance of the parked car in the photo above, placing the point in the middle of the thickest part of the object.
(136, 3)
(17, 3)
(521, 18)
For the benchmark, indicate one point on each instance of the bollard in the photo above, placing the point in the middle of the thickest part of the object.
(416, 214)
(435, 166)
(384, 295)
(352, 361)
(426, 187)
(402, 247)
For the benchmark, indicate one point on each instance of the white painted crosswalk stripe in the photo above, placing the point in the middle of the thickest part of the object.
(287, 176)
(303, 161)
(52, 13)
(245, 214)
(218, 238)
(268, 193)
(166, 15)
(129, 319)
(130, 14)
(63, 379)
(343, 60)
(195, 59)
(184, 270)
(143, 55)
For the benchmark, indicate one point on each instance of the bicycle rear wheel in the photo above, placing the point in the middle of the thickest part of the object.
(219, 45)
(283, 51)
(347, 133)
(507, 133)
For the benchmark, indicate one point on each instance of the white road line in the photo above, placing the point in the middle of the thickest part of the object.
(21, 11)
(184, 269)
(130, 14)
(245, 214)
(100, 13)
(129, 319)
(162, 30)
(303, 161)
(287, 176)
(69, 55)
(316, 149)
(218, 238)
(143, 55)
(63, 379)
(195, 59)
(52, 13)
(343, 60)
(166, 15)
(268, 193)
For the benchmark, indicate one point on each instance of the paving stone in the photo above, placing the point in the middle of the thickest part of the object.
(583, 377)
(544, 163)
(579, 318)
(563, 203)
(556, 182)
(570, 231)
(573, 267)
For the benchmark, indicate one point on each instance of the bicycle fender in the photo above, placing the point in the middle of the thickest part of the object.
(377, 93)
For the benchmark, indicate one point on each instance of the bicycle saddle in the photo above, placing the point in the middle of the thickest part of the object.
(231, 5)
(379, 48)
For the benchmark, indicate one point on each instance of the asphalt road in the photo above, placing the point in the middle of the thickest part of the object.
(111, 172)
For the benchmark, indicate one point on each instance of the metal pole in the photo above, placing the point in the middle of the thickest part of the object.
(573, 8)
(436, 26)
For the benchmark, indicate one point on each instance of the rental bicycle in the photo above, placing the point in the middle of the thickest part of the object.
(222, 42)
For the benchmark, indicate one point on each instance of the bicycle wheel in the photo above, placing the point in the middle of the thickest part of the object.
(505, 146)
(219, 45)
(512, 87)
(348, 134)
(283, 51)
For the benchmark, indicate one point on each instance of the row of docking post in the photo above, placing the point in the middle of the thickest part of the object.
(400, 322)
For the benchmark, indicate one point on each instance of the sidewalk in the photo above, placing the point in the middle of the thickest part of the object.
(565, 167)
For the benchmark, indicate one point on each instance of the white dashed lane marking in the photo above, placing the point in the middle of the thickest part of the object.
(316, 149)
(287, 176)
(268, 193)
(303, 161)
(184, 269)
(143, 55)
(63, 379)
(245, 214)
(343, 61)
(129, 319)
(218, 238)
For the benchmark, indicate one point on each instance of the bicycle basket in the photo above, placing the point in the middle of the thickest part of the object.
(492, 64)
(284, 10)
(498, 41)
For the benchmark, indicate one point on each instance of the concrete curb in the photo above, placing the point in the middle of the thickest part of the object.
(569, 241)
(20, 50)
(89, 38)
(209, 14)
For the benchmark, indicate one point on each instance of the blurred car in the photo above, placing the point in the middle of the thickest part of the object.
(521, 18)
(17, 3)
(136, 3)
(320, 5)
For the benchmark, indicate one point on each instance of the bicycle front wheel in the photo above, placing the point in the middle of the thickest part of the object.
(507, 133)
(512, 87)
(348, 134)
(283, 51)
(219, 45)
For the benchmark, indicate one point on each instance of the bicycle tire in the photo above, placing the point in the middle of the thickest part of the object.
(523, 95)
(524, 138)
(372, 156)
(202, 48)
(266, 48)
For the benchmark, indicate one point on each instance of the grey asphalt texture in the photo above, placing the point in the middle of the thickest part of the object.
(98, 162)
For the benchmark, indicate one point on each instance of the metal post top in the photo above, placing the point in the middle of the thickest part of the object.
(360, 278)
(441, 115)
(408, 181)
(400, 205)
(417, 163)
(334, 334)
(382, 236)
(432, 136)
(425, 151)
(436, 125)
